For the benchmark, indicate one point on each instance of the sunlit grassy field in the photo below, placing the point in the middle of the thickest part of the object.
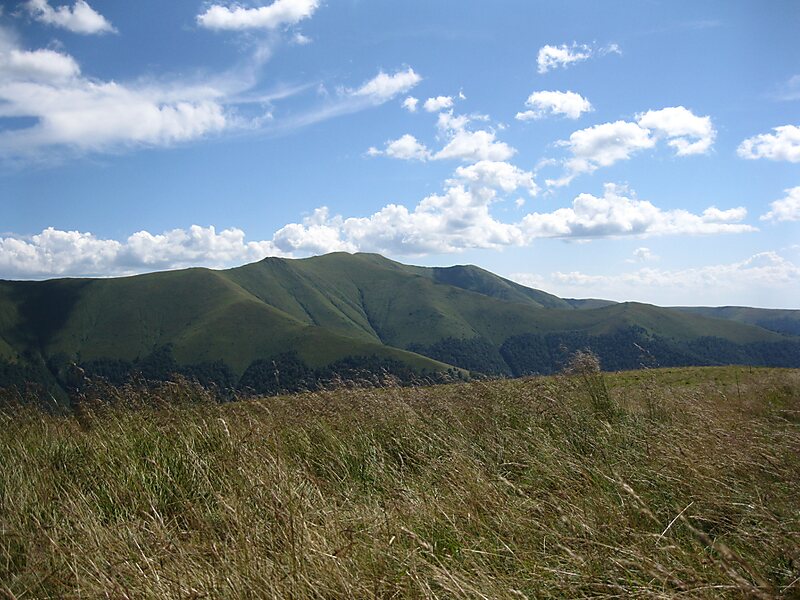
(655, 484)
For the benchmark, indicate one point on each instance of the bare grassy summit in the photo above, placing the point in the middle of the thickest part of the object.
(681, 483)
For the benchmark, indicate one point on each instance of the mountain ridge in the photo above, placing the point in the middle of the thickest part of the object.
(326, 309)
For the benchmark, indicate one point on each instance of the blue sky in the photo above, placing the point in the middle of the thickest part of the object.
(643, 151)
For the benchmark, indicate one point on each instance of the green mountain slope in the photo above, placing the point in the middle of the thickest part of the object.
(325, 309)
(203, 314)
(784, 321)
(474, 279)
(781, 321)
(368, 295)
(584, 303)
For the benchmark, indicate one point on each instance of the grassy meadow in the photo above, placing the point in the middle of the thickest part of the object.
(675, 483)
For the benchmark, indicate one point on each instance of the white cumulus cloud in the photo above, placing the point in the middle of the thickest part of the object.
(784, 144)
(73, 253)
(90, 116)
(457, 219)
(461, 143)
(601, 146)
(685, 131)
(272, 16)
(73, 112)
(438, 103)
(65, 112)
(79, 18)
(643, 254)
(461, 218)
(47, 66)
(410, 104)
(406, 147)
(497, 175)
(786, 209)
(605, 144)
(615, 215)
(544, 103)
(475, 145)
(756, 280)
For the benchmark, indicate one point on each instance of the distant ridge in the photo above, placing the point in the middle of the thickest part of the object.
(778, 320)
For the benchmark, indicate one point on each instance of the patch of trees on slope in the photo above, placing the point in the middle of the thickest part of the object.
(519, 355)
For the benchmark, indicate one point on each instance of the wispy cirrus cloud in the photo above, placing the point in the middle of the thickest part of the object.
(66, 112)
(789, 90)
(385, 86)
(373, 92)
(565, 55)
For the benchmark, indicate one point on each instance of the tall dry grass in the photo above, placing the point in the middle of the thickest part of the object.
(660, 484)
